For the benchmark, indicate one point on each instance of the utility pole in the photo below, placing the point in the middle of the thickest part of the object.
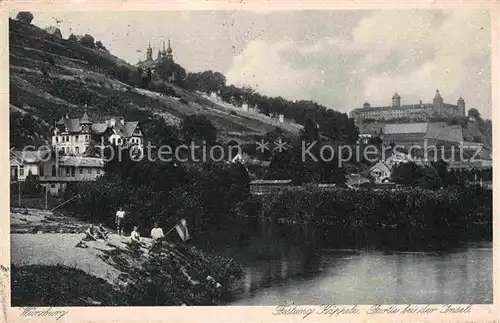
(18, 193)
(46, 193)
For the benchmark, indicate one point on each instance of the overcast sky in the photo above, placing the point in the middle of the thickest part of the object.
(337, 58)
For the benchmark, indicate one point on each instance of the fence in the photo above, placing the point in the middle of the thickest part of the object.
(34, 202)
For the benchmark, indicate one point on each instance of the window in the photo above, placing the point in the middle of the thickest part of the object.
(77, 137)
(67, 171)
(21, 171)
(67, 138)
(54, 170)
(73, 171)
(98, 171)
(41, 171)
(81, 171)
(77, 150)
(57, 139)
(52, 185)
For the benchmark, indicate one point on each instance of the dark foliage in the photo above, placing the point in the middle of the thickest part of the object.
(198, 127)
(25, 17)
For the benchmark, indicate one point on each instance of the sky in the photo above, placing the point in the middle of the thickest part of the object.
(340, 59)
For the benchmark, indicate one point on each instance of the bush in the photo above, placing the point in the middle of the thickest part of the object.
(414, 212)
(25, 17)
(87, 41)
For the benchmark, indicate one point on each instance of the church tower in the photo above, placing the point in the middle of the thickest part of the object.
(149, 53)
(396, 100)
(461, 107)
(163, 52)
(437, 104)
(169, 56)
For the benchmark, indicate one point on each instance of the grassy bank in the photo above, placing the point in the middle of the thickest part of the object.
(178, 276)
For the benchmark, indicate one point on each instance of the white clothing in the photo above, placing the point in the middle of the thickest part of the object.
(134, 235)
(120, 214)
(156, 233)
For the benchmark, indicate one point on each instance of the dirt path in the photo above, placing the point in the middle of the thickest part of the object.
(41, 238)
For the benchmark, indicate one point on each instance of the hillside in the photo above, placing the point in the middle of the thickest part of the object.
(51, 77)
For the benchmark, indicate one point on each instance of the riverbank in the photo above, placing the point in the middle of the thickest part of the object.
(408, 217)
(49, 270)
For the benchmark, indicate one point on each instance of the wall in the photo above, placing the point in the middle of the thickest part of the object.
(81, 141)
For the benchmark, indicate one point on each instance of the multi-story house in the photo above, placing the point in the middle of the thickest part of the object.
(58, 171)
(74, 136)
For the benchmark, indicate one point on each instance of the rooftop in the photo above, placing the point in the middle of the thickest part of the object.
(398, 128)
(81, 161)
(271, 182)
(432, 130)
(29, 156)
(74, 125)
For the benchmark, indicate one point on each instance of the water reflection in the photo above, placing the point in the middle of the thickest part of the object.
(282, 265)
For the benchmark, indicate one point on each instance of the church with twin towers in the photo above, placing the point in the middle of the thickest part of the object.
(163, 54)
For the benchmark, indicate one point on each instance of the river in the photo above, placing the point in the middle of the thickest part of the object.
(284, 266)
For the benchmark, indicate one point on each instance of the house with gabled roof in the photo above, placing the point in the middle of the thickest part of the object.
(381, 172)
(74, 136)
(24, 163)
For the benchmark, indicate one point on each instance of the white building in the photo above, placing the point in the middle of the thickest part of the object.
(381, 172)
(73, 136)
(23, 163)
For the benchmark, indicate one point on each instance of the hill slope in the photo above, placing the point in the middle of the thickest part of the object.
(51, 77)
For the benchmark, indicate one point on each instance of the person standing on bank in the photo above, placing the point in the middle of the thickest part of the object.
(120, 215)
(157, 235)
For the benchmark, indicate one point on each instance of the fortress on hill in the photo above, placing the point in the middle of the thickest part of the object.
(415, 112)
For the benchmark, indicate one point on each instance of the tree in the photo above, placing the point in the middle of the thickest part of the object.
(406, 173)
(168, 70)
(25, 17)
(310, 132)
(87, 41)
(73, 37)
(100, 46)
(473, 113)
(477, 139)
(198, 127)
(430, 178)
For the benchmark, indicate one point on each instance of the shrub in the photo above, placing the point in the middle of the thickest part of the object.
(25, 17)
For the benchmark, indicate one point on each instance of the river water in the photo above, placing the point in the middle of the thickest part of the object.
(281, 267)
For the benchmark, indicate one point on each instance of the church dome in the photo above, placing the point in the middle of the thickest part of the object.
(169, 49)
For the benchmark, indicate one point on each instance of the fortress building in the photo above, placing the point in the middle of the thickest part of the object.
(414, 112)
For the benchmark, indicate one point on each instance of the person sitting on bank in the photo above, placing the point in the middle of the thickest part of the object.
(135, 237)
(102, 232)
(157, 235)
(91, 233)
